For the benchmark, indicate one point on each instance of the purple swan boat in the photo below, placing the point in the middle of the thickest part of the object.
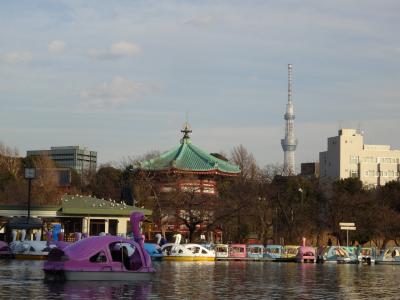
(5, 251)
(102, 258)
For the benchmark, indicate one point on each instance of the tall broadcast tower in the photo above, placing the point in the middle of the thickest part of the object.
(289, 143)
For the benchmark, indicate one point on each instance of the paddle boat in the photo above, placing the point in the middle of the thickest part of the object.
(306, 254)
(102, 258)
(5, 251)
(390, 256)
(200, 253)
(366, 255)
(255, 252)
(169, 249)
(221, 251)
(154, 249)
(30, 249)
(352, 250)
(237, 252)
(289, 253)
(273, 252)
(336, 254)
(186, 252)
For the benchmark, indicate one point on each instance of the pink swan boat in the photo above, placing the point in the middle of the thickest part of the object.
(102, 258)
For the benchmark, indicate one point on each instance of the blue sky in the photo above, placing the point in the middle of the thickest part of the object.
(120, 77)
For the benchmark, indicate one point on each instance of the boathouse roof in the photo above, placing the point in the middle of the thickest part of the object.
(87, 205)
(75, 205)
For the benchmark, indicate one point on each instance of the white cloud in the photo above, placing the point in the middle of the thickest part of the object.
(120, 90)
(56, 46)
(201, 21)
(117, 50)
(17, 57)
(124, 48)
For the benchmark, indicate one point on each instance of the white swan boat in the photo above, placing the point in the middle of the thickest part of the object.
(27, 249)
(186, 252)
(390, 256)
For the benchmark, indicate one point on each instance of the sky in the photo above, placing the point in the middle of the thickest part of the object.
(122, 77)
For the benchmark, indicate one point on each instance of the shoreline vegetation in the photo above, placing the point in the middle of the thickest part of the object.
(259, 204)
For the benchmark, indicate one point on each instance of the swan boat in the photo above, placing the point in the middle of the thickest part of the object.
(221, 251)
(237, 252)
(154, 249)
(306, 254)
(336, 254)
(186, 252)
(289, 253)
(390, 256)
(273, 252)
(366, 255)
(102, 258)
(5, 251)
(27, 249)
(255, 252)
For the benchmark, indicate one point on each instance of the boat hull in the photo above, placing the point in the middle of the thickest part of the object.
(188, 258)
(97, 275)
(387, 262)
(31, 256)
(285, 259)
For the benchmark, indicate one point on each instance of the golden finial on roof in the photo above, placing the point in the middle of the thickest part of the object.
(186, 131)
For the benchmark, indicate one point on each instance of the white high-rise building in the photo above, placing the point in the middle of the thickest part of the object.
(348, 156)
(289, 143)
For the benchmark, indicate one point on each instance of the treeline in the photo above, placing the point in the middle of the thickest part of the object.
(259, 204)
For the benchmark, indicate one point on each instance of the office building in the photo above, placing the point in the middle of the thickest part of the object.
(82, 160)
(348, 156)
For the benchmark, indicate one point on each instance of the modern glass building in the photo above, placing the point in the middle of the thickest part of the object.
(78, 158)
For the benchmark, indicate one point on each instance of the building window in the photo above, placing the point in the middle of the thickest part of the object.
(354, 159)
(353, 174)
(96, 226)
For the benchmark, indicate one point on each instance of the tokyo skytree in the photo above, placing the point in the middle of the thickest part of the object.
(289, 143)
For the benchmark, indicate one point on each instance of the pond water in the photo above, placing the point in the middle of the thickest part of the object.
(209, 280)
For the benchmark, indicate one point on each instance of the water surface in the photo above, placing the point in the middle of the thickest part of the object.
(209, 280)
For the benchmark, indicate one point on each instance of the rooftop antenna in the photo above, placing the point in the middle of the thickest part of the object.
(359, 128)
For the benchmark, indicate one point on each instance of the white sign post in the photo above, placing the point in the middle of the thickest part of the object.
(347, 227)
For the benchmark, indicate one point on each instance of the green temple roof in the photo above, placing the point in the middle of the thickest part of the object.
(188, 158)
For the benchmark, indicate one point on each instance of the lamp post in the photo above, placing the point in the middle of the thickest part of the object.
(301, 192)
(30, 173)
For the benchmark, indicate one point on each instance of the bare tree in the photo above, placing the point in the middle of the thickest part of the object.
(45, 187)
(246, 162)
(9, 159)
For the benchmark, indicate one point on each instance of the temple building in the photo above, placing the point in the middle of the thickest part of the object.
(186, 168)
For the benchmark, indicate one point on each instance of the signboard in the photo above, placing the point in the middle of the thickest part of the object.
(348, 228)
(347, 224)
(30, 173)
